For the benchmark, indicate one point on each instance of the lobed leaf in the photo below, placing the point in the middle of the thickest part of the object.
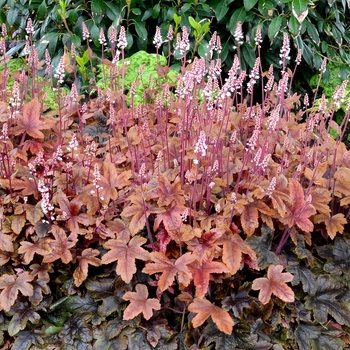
(125, 255)
(10, 286)
(139, 303)
(275, 283)
(205, 309)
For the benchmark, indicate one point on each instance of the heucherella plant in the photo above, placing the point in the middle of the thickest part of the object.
(213, 209)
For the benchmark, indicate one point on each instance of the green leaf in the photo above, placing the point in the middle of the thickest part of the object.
(240, 337)
(294, 26)
(147, 14)
(42, 10)
(299, 6)
(95, 32)
(177, 19)
(195, 25)
(136, 11)
(203, 48)
(239, 15)
(249, 4)
(301, 251)
(138, 340)
(274, 27)
(307, 53)
(325, 302)
(156, 11)
(98, 7)
(25, 339)
(220, 9)
(22, 315)
(262, 247)
(141, 30)
(313, 33)
(238, 300)
(186, 7)
(248, 54)
(311, 337)
(337, 255)
(302, 275)
(225, 51)
(12, 16)
(77, 328)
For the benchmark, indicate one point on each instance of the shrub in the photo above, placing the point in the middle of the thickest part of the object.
(319, 29)
(219, 221)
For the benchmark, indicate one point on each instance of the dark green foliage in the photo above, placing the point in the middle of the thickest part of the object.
(262, 246)
(319, 29)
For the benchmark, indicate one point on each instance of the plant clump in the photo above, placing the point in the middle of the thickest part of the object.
(197, 218)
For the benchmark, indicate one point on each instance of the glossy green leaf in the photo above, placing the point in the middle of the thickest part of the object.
(274, 27)
(325, 302)
(249, 4)
(337, 255)
(313, 33)
(220, 9)
(248, 54)
(98, 7)
(303, 275)
(12, 16)
(112, 11)
(136, 11)
(225, 51)
(194, 24)
(177, 19)
(25, 339)
(186, 7)
(239, 339)
(238, 300)
(141, 30)
(294, 26)
(262, 246)
(147, 14)
(312, 337)
(203, 48)
(238, 15)
(42, 10)
(156, 10)
(299, 6)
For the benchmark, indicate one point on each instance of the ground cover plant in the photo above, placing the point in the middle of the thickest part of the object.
(195, 219)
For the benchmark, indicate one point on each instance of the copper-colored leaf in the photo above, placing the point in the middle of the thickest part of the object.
(111, 180)
(317, 175)
(139, 209)
(39, 246)
(169, 192)
(18, 222)
(125, 254)
(5, 242)
(300, 210)
(201, 272)
(333, 223)
(88, 257)
(205, 309)
(30, 121)
(172, 221)
(60, 245)
(233, 248)
(275, 283)
(139, 302)
(71, 212)
(170, 269)
(10, 285)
